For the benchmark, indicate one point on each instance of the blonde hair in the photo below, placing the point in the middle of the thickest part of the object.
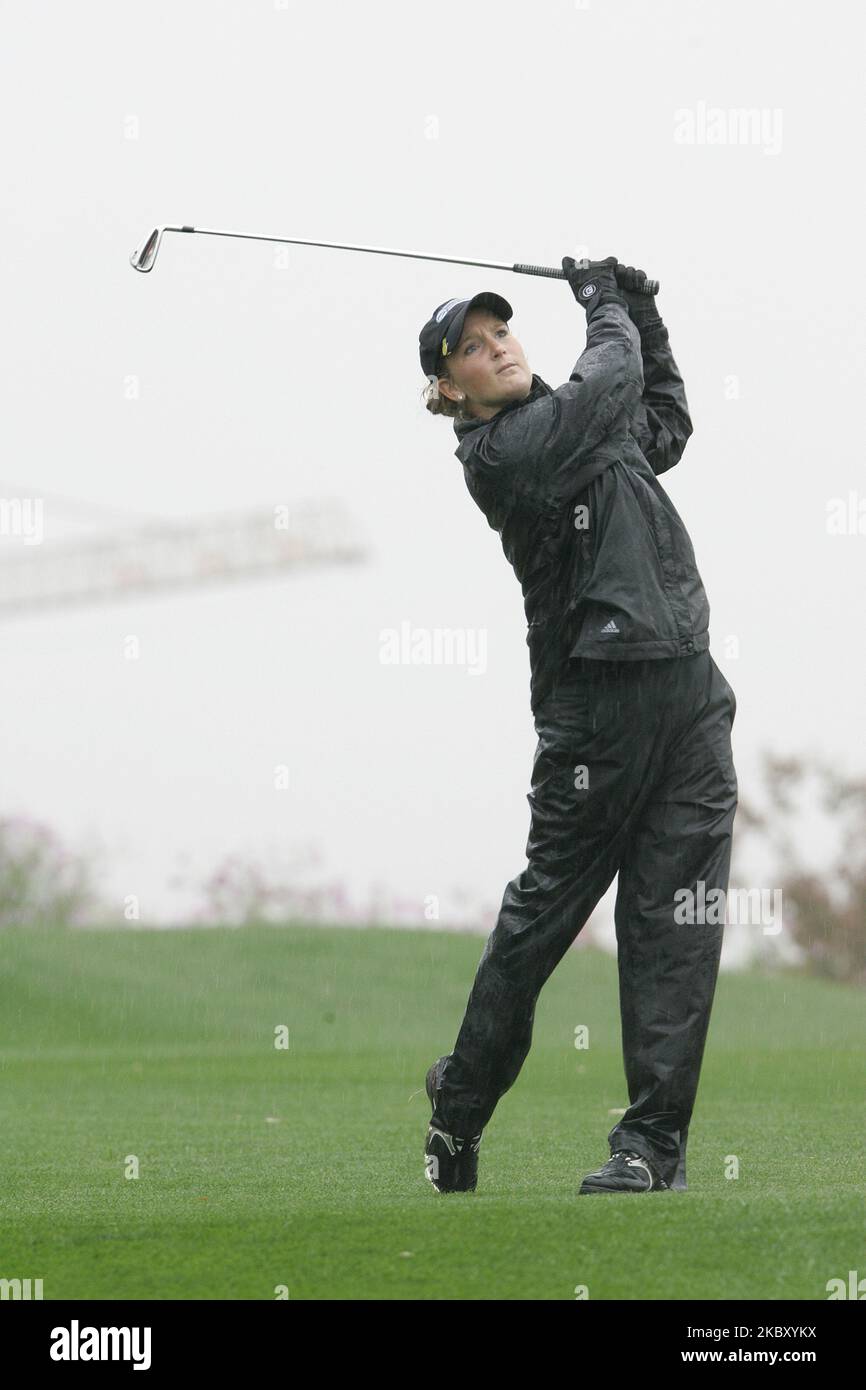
(436, 403)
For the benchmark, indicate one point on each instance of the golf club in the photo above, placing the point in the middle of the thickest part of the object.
(144, 255)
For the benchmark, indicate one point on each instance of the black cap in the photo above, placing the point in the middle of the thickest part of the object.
(441, 334)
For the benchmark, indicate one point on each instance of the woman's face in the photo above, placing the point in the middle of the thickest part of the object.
(488, 367)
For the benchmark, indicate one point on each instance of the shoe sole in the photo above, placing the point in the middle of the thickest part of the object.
(583, 1190)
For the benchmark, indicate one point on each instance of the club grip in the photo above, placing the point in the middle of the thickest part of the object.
(648, 286)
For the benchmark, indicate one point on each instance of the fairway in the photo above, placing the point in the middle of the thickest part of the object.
(260, 1167)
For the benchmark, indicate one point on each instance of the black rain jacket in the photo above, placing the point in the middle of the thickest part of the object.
(569, 480)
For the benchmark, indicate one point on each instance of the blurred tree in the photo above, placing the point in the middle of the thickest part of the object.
(824, 909)
(42, 884)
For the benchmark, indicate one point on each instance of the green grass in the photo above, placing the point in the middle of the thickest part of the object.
(303, 1167)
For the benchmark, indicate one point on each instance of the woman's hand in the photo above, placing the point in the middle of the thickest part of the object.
(593, 282)
(641, 307)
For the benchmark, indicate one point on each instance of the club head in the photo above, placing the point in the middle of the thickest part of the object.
(145, 252)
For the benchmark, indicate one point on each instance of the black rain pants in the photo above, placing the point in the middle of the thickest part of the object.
(648, 744)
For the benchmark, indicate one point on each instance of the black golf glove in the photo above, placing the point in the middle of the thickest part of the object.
(641, 307)
(593, 282)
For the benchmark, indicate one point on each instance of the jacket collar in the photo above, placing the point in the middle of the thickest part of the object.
(464, 428)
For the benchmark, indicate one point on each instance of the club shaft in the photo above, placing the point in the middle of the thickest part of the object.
(550, 272)
(342, 246)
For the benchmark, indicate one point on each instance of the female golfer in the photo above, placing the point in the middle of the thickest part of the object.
(633, 772)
